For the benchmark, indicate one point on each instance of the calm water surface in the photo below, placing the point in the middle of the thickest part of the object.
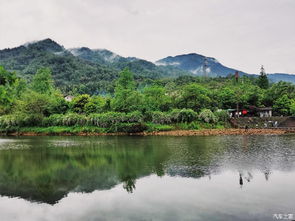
(147, 178)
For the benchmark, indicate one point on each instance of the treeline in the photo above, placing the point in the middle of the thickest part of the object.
(182, 103)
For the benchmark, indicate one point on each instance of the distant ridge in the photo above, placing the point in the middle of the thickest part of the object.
(195, 63)
(88, 70)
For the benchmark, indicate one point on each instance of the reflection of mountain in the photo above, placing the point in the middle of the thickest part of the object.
(45, 169)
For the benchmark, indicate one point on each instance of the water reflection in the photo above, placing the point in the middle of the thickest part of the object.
(51, 169)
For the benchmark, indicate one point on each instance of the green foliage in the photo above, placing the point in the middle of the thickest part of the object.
(194, 96)
(70, 119)
(282, 105)
(158, 127)
(158, 102)
(42, 82)
(207, 116)
(222, 115)
(20, 120)
(158, 117)
(96, 104)
(292, 107)
(127, 128)
(183, 115)
(32, 102)
(113, 118)
(58, 105)
(79, 103)
(156, 99)
(7, 78)
(9, 85)
(263, 81)
(189, 126)
(126, 98)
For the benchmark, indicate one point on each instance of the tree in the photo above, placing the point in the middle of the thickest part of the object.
(33, 103)
(126, 98)
(207, 116)
(156, 99)
(292, 107)
(43, 82)
(79, 103)
(194, 96)
(262, 79)
(9, 88)
(96, 104)
(226, 97)
(282, 105)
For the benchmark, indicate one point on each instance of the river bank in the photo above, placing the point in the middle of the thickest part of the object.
(200, 132)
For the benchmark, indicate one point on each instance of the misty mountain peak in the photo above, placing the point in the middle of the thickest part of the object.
(196, 64)
(46, 45)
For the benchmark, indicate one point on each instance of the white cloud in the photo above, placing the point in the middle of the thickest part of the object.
(242, 34)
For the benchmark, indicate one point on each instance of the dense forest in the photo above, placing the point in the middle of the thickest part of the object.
(79, 70)
(142, 104)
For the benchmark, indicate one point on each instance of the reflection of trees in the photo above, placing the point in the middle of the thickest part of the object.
(50, 168)
(129, 184)
(195, 157)
(47, 173)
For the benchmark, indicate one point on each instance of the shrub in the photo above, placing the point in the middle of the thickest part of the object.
(221, 115)
(207, 116)
(183, 115)
(128, 127)
(158, 127)
(159, 117)
(20, 120)
(187, 115)
(189, 126)
(110, 118)
(70, 119)
(78, 103)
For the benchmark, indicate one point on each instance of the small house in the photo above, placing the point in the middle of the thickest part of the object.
(235, 113)
(264, 111)
(69, 98)
(251, 112)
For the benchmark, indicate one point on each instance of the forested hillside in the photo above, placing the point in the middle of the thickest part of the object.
(185, 102)
(78, 70)
(83, 70)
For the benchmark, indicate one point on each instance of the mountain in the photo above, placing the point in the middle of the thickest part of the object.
(93, 71)
(80, 69)
(276, 77)
(69, 72)
(138, 66)
(196, 64)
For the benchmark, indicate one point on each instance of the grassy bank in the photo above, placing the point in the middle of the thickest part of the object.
(154, 130)
(126, 128)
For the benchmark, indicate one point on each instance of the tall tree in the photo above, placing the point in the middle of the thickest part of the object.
(43, 82)
(263, 80)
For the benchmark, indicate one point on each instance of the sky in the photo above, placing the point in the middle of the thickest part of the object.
(242, 34)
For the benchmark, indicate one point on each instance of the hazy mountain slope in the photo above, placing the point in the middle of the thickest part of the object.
(69, 72)
(195, 63)
(138, 66)
(282, 77)
(90, 71)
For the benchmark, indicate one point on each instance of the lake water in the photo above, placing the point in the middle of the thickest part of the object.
(147, 178)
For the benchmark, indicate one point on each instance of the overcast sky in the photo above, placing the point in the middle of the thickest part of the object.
(242, 34)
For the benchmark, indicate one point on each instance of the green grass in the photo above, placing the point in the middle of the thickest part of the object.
(56, 129)
(158, 127)
(126, 127)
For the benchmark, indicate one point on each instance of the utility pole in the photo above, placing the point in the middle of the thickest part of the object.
(205, 67)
